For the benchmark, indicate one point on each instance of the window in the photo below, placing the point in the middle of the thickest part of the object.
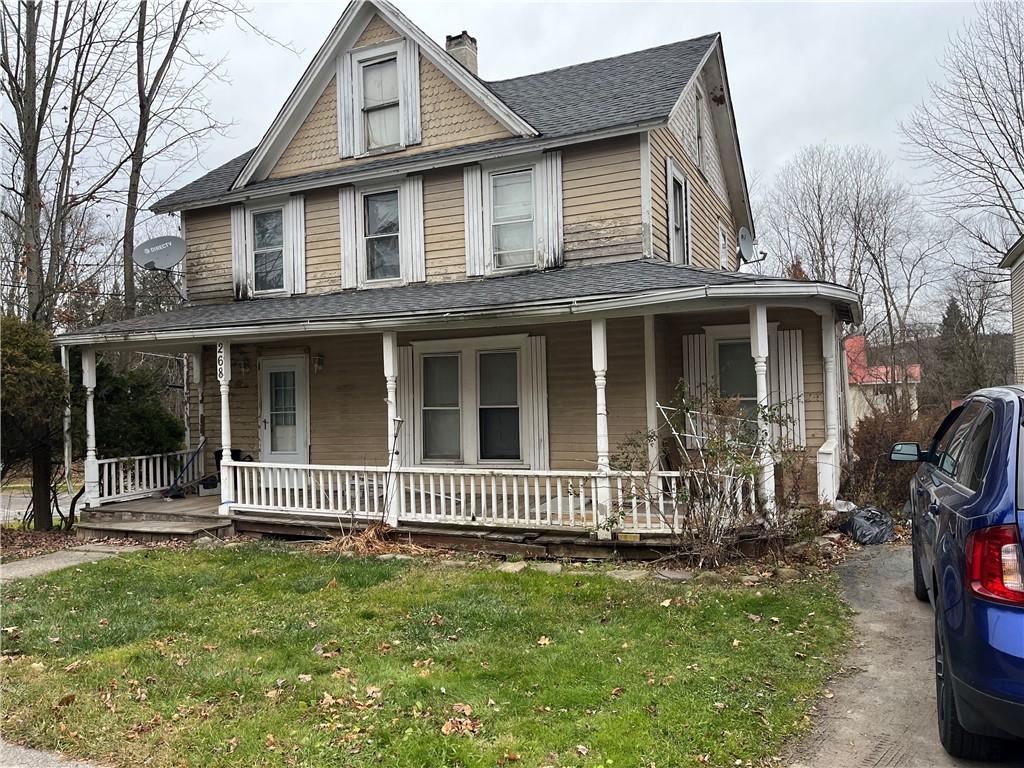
(378, 98)
(971, 472)
(283, 408)
(723, 247)
(381, 236)
(268, 250)
(678, 197)
(698, 107)
(381, 109)
(498, 398)
(736, 374)
(512, 219)
(470, 402)
(951, 445)
(442, 413)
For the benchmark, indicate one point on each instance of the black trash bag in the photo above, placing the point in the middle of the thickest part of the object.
(868, 525)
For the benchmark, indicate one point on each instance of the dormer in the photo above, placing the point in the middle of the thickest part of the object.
(379, 87)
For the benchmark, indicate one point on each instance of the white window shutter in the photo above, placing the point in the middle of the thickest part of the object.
(473, 210)
(549, 199)
(295, 234)
(347, 220)
(410, 241)
(535, 403)
(695, 376)
(346, 108)
(406, 408)
(241, 270)
(786, 387)
(410, 93)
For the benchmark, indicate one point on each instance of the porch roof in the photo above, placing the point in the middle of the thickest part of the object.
(599, 288)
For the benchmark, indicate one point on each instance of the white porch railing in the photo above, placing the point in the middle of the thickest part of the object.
(133, 477)
(503, 498)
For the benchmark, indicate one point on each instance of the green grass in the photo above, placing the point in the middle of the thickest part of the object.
(167, 658)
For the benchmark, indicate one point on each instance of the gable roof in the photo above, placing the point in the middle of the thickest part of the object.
(626, 93)
(1012, 256)
(566, 291)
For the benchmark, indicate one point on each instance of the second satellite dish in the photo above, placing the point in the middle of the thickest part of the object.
(159, 252)
(745, 243)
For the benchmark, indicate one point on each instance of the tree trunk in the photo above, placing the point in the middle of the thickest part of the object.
(42, 515)
(29, 130)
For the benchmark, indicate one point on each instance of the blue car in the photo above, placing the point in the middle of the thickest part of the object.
(967, 504)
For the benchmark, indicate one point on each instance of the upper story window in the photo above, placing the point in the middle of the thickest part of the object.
(268, 248)
(699, 117)
(512, 219)
(378, 98)
(678, 197)
(381, 107)
(381, 236)
(513, 212)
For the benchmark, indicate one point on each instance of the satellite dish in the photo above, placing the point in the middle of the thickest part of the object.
(161, 253)
(745, 243)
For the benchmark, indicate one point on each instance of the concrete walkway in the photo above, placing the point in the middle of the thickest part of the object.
(55, 561)
(19, 757)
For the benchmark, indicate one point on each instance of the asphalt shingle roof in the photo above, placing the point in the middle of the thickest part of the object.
(483, 295)
(580, 99)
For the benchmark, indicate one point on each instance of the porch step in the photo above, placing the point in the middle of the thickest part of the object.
(165, 512)
(153, 530)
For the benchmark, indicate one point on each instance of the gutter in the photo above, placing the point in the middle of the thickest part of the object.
(573, 307)
(356, 176)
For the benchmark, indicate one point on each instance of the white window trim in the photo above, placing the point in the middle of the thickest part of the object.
(498, 169)
(286, 256)
(723, 246)
(674, 172)
(361, 194)
(469, 349)
(351, 131)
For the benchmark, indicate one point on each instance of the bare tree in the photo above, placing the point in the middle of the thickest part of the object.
(970, 132)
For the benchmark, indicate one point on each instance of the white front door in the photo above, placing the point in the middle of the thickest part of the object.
(284, 410)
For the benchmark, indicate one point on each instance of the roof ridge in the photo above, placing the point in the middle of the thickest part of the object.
(709, 35)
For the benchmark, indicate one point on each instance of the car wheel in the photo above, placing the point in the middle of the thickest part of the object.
(955, 740)
(920, 588)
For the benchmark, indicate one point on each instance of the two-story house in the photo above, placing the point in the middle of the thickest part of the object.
(434, 298)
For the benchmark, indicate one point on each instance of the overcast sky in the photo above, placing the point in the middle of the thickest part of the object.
(799, 73)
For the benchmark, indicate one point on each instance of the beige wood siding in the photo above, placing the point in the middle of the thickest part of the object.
(323, 241)
(208, 254)
(449, 117)
(707, 208)
(1017, 307)
(601, 206)
(444, 237)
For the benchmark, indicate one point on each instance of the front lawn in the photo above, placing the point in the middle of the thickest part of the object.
(260, 656)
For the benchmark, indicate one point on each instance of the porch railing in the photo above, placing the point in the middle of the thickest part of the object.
(133, 477)
(500, 498)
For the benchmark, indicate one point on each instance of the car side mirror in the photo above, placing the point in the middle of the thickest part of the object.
(906, 452)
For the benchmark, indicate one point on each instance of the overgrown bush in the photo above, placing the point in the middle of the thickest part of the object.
(869, 477)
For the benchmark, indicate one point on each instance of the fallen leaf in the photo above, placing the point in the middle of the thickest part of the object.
(754, 618)
(305, 678)
(270, 741)
(460, 726)
(582, 750)
(616, 692)
(462, 709)
(104, 622)
(735, 643)
(332, 584)
(65, 700)
(372, 692)
(666, 603)
(436, 619)
(544, 640)
(74, 666)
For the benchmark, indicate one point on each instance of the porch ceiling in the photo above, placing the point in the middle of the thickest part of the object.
(640, 285)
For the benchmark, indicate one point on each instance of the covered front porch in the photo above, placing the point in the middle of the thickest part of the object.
(498, 419)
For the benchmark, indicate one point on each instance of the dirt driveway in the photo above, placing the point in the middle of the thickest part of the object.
(883, 711)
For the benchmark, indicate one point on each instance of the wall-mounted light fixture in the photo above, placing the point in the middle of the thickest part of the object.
(318, 363)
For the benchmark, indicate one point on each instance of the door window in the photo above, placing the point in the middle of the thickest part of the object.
(282, 412)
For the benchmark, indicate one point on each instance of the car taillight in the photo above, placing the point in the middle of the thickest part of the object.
(994, 564)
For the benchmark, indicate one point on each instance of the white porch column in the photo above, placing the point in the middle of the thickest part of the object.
(227, 489)
(759, 351)
(599, 357)
(92, 467)
(392, 482)
(828, 454)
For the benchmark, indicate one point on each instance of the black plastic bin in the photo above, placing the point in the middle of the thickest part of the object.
(236, 455)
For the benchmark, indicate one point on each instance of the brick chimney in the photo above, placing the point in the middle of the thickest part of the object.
(462, 48)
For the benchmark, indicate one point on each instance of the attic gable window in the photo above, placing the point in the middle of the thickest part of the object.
(378, 98)
(381, 106)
